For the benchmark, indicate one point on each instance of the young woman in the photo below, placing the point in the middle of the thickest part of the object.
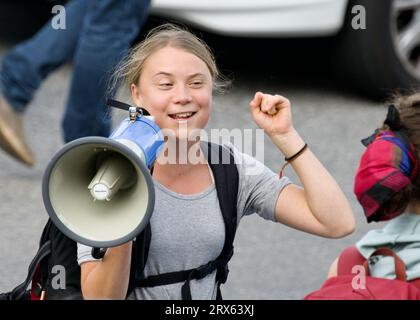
(172, 74)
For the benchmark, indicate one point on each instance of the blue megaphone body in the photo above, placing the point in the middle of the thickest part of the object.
(143, 133)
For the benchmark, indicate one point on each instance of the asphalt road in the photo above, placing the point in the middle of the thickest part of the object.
(271, 261)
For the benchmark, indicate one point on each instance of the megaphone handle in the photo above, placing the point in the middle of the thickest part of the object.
(125, 106)
(98, 253)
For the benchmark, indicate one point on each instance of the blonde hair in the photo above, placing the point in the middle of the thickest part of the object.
(131, 67)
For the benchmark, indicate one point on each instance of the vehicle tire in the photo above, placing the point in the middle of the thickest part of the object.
(385, 56)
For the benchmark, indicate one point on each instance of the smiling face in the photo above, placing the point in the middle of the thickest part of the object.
(175, 86)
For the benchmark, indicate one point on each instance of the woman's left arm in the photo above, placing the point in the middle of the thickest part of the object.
(320, 207)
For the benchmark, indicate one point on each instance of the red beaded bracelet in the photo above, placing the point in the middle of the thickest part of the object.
(291, 158)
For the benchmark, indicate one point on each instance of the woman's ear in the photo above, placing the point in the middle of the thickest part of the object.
(135, 95)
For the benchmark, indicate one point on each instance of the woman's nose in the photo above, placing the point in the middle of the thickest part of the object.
(182, 95)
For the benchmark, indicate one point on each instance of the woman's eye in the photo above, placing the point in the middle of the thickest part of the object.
(165, 85)
(197, 83)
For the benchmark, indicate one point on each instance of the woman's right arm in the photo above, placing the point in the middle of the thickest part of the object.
(107, 279)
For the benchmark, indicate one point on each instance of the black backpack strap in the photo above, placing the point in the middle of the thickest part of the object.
(222, 163)
(227, 184)
(139, 254)
(45, 236)
(55, 249)
(180, 276)
(63, 253)
(19, 292)
(226, 178)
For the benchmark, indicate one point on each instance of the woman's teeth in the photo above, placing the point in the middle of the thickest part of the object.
(180, 116)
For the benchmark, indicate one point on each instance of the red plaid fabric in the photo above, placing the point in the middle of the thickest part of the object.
(388, 164)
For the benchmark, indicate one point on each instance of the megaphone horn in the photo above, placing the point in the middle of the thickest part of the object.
(98, 191)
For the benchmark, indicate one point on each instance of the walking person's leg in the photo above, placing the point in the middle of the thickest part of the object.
(23, 69)
(109, 28)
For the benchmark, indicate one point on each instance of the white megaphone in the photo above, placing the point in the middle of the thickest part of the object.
(99, 191)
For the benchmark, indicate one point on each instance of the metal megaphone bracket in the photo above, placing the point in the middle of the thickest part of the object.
(134, 112)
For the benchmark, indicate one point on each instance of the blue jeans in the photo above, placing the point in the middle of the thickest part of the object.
(98, 34)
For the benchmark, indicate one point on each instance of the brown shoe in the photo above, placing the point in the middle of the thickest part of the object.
(12, 139)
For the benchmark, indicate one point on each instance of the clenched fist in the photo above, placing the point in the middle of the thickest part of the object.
(272, 113)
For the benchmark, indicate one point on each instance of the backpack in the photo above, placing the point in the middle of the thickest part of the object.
(344, 287)
(55, 249)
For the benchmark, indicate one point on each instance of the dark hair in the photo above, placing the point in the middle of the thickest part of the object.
(409, 110)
